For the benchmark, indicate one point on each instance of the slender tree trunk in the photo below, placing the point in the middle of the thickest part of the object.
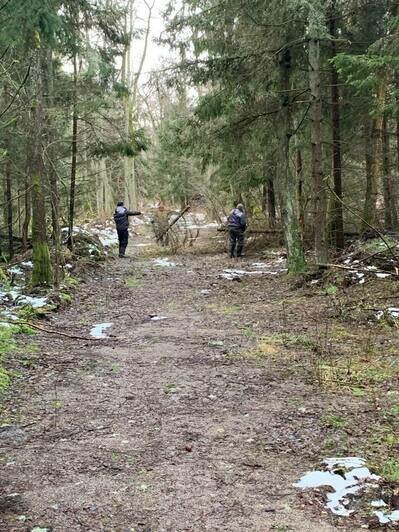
(299, 176)
(9, 207)
(53, 179)
(271, 203)
(389, 182)
(27, 206)
(264, 200)
(287, 178)
(337, 214)
(319, 188)
(42, 271)
(74, 153)
(386, 177)
(373, 154)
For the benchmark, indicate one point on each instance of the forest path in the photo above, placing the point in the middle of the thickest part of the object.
(168, 425)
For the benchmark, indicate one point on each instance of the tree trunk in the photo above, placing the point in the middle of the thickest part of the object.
(299, 175)
(9, 208)
(287, 178)
(74, 153)
(271, 202)
(27, 206)
(319, 188)
(386, 178)
(53, 179)
(373, 154)
(42, 271)
(337, 212)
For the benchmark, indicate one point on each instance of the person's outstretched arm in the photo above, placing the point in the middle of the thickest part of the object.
(133, 213)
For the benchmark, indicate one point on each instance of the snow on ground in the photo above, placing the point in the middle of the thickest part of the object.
(98, 330)
(353, 482)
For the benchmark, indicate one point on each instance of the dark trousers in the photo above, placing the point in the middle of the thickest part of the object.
(123, 237)
(236, 241)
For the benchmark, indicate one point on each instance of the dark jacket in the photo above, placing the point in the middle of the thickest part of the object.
(237, 220)
(121, 217)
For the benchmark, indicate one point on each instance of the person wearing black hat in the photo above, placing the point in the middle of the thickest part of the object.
(121, 217)
(237, 224)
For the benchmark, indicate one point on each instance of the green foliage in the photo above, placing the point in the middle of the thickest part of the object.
(390, 470)
(331, 290)
(132, 282)
(7, 344)
(334, 421)
(129, 148)
(66, 297)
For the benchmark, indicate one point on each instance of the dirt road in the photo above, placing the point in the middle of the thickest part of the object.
(170, 424)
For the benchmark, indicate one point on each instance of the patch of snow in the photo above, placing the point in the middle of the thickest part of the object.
(384, 519)
(27, 264)
(348, 462)
(16, 270)
(382, 275)
(260, 265)
(315, 281)
(158, 318)
(392, 311)
(378, 504)
(210, 225)
(108, 237)
(164, 262)
(98, 330)
(34, 302)
(229, 276)
(357, 477)
(241, 273)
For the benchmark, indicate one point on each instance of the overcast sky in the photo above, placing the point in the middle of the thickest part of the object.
(155, 52)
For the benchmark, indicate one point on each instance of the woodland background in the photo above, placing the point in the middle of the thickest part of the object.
(291, 107)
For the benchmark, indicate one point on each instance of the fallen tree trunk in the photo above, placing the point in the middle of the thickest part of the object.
(354, 268)
(180, 215)
(254, 231)
(275, 231)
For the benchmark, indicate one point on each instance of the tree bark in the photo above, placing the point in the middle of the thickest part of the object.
(373, 155)
(389, 183)
(42, 270)
(74, 153)
(337, 214)
(271, 203)
(319, 189)
(287, 178)
(53, 178)
(299, 175)
(9, 208)
(27, 206)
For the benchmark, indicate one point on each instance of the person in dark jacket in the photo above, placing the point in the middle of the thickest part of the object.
(121, 217)
(237, 224)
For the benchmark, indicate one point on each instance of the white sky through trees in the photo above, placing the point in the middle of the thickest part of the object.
(156, 53)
